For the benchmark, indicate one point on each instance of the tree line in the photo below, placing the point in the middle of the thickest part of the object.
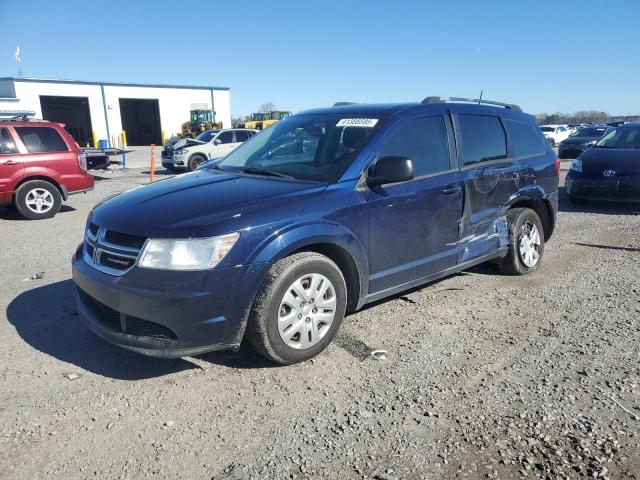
(585, 116)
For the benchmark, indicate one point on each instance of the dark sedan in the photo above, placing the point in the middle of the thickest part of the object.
(610, 170)
(584, 139)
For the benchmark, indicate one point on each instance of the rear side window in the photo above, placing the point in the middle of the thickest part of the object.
(482, 138)
(7, 147)
(41, 139)
(241, 136)
(524, 138)
(424, 141)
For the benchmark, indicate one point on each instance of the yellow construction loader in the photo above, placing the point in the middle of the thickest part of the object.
(262, 120)
(200, 121)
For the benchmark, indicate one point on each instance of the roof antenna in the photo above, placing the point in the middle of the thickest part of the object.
(480, 99)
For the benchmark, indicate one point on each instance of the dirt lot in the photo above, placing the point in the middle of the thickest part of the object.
(487, 376)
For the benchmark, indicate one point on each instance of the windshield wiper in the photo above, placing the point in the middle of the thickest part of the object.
(264, 171)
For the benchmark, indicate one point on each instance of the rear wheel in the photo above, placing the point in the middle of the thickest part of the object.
(299, 308)
(195, 161)
(38, 199)
(526, 242)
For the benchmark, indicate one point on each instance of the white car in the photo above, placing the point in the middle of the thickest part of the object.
(189, 153)
(555, 133)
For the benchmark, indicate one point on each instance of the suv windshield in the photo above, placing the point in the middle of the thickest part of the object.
(622, 137)
(315, 148)
(547, 129)
(207, 135)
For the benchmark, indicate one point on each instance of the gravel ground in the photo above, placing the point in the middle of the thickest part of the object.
(486, 376)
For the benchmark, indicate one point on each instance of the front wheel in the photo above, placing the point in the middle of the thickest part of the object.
(195, 161)
(298, 310)
(526, 242)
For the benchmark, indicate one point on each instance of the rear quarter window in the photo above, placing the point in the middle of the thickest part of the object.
(41, 139)
(525, 139)
(482, 138)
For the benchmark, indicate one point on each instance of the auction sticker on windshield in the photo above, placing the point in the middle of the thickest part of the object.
(357, 122)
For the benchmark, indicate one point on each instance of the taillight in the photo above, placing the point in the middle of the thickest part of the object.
(558, 165)
(82, 161)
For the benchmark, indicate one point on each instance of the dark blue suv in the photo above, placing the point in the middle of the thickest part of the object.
(317, 215)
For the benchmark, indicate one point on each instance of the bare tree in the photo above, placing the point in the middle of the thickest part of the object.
(267, 107)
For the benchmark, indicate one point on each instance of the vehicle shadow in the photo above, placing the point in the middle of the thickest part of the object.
(10, 213)
(46, 318)
(596, 206)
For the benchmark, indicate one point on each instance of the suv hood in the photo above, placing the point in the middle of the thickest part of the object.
(179, 207)
(186, 142)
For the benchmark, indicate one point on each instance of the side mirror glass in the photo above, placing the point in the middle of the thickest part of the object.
(390, 170)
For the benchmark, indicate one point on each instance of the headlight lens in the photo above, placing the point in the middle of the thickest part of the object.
(576, 165)
(179, 152)
(188, 254)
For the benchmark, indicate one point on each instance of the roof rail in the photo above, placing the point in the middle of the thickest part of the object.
(511, 106)
(16, 115)
(342, 104)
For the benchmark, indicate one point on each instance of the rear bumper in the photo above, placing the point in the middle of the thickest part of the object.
(167, 314)
(601, 189)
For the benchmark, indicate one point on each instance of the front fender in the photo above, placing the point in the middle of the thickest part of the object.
(283, 242)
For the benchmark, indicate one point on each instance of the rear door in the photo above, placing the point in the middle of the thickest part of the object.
(413, 226)
(11, 165)
(490, 178)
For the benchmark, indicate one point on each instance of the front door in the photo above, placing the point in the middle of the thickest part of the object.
(413, 226)
(11, 165)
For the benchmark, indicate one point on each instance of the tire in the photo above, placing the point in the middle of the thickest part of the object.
(271, 312)
(576, 200)
(195, 160)
(27, 195)
(520, 221)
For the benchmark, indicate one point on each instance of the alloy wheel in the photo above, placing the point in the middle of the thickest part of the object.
(529, 244)
(39, 200)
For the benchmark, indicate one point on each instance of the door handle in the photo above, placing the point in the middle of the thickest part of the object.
(451, 189)
(9, 162)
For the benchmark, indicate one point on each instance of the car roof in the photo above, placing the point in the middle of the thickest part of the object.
(28, 123)
(388, 109)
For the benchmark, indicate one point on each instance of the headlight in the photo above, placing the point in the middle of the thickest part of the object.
(576, 165)
(188, 254)
(179, 152)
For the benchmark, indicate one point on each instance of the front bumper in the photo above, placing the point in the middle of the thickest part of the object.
(596, 187)
(164, 313)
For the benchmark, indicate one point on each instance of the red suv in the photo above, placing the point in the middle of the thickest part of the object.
(40, 165)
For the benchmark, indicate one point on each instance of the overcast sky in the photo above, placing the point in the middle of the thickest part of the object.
(547, 56)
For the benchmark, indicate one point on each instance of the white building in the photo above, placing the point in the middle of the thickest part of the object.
(148, 113)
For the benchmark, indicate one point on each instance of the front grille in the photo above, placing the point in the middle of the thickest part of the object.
(113, 320)
(117, 238)
(110, 251)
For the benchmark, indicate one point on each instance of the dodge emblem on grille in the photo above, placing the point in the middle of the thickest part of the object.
(609, 173)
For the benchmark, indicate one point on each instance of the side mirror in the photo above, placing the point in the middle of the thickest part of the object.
(217, 141)
(390, 170)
